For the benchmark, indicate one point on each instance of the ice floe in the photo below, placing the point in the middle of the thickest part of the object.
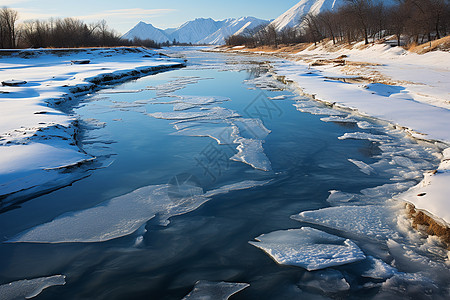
(371, 220)
(27, 289)
(206, 290)
(365, 136)
(308, 248)
(223, 135)
(316, 109)
(339, 119)
(379, 269)
(363, 167)
(251, 152)
(327, 281)
(125, 214)
(215, 113)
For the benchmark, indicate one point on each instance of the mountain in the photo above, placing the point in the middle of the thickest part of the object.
(294, 16)
(198, 31)
(231, 27)
(146, 31)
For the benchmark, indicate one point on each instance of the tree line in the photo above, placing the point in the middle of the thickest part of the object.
(60, 33)
(411, 21)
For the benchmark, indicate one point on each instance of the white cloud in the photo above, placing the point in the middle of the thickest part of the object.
(11, 2)
(130, 13)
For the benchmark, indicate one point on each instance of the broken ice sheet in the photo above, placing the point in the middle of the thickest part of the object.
(315, 109)
(327, 281)
(379, 269)
(252, 153)
(308, 248)
(206, 290)
(27, 289)
(125, 214)
(224, 135)
(251, 128)
(215, 113)
(338, 119)
(363, 167)
(365, 136)
(371, 220)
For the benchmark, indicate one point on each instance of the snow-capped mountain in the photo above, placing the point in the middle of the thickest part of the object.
(294, 16)
(146, 31)
(198, 31)
(231, 27)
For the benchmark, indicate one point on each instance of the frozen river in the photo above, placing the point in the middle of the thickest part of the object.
(219, 172)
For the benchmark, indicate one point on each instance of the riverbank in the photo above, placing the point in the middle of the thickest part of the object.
(407, 89)
(37, 140)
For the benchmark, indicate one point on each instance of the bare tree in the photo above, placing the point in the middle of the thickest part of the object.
(8, 34)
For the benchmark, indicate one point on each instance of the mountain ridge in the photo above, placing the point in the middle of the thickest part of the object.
(198, 31)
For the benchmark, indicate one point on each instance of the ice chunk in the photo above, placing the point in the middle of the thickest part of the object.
(215, 113)
(280, 97)
(251, 152)
(206, 290)
(367, 125)
(380, 269)
(338, 119)
(223, 135)
(363, 167)
(312, 108)
(372, 221)
(125, 214)
(251, 128)
(386, 191)
(327, 281)
(339, 198)
(365, 136)
(243, 185)
(27, 289)
(308, 248)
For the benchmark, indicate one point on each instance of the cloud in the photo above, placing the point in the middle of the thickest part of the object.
(130, 13)
(11, 2)
(32, 14)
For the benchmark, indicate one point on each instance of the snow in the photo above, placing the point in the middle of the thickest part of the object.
(206, 290)
(124, 215)
(27, 289)
(431, 194)
(308, 248)
(34, 135)
(198, 31)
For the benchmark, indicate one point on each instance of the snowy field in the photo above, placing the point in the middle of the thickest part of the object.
(37, 140)
(409, 90)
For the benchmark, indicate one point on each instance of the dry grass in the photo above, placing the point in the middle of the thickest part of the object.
(424, 223)
(442, 44)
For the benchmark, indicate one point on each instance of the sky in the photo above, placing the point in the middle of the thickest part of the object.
(122, 15)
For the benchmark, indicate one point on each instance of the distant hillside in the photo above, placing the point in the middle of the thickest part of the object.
(198, 31)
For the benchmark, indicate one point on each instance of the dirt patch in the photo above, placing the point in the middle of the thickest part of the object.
(426, 224)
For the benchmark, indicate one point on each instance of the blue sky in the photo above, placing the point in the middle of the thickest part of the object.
(122, 15)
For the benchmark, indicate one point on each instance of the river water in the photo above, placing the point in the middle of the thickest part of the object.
(153, 217)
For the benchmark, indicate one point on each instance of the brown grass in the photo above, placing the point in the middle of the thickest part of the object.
(442, 44)
(424, 223)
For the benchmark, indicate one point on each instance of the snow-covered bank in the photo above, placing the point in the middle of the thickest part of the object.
(38, 141)
(409, 90)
